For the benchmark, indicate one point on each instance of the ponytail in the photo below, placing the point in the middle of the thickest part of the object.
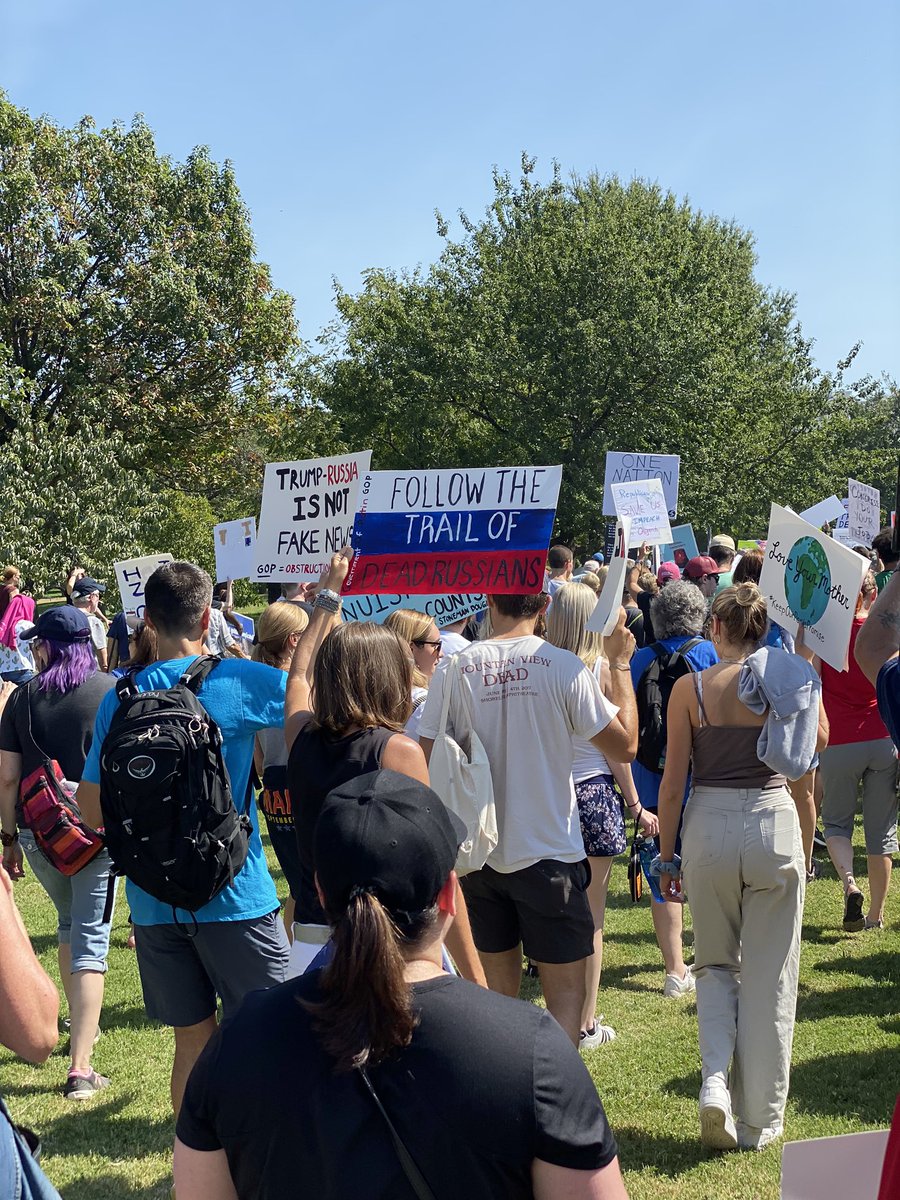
(366, 1012)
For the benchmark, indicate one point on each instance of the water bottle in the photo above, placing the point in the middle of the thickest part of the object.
(648, 853)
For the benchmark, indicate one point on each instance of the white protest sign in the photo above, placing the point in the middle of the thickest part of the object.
(446, 610)
(131, 576)
(841, 530)
(606, 612)
(628, 468)
(308, 509)
(645, 503)
(863, 513)
(824, 512)
(235, 542)
(810, 579)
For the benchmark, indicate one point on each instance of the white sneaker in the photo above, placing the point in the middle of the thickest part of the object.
(751, 1138)
(674, 987)
(598, 1036)
(717, 1128)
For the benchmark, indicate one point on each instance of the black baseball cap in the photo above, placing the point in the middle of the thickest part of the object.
(85, 585)
(387, 834)
(62, 624)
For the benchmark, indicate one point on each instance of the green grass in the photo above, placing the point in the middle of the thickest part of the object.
(845, 1077)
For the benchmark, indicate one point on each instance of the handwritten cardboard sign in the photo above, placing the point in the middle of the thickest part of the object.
(235, 544)
(307, 515)
(810, 579)
(645, 503)
(606, 612)
(446, 610)
(472, 530)
(628, 468)
(863, 512)
(131, 576)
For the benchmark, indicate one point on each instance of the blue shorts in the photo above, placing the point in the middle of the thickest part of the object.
(81, 902)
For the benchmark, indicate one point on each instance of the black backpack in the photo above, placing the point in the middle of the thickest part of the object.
(171, 824)
(653, 691)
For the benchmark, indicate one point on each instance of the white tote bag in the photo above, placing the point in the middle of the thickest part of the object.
(464, 782)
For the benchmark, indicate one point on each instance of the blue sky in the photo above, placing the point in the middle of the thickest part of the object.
(348, 123)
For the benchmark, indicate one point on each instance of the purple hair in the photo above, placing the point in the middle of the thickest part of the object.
(68, 665)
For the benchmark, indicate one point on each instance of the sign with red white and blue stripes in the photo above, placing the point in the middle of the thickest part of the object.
(475, 529)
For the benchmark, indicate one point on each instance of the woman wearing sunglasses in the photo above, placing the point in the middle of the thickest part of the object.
(421, 634)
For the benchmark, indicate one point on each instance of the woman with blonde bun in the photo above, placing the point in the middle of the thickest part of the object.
(744, 875)
(280, 628)
(420, 633)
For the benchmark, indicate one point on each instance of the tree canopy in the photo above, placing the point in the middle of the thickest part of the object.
(591, 315)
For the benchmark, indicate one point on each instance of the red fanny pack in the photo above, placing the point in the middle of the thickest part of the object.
(61, 835)
(50, 813)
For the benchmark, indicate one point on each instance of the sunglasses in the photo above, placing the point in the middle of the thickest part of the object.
(422, 642)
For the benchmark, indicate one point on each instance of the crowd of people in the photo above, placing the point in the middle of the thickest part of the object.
(388, 982)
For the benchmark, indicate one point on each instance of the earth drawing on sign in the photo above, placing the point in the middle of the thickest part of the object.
(807, 581)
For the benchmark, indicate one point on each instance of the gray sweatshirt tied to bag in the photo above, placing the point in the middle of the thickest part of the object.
(788, 686)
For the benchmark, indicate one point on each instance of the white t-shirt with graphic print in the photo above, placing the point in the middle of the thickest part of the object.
(528, 700)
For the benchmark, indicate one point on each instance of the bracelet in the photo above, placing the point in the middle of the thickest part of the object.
(327, 600)
(8, 839)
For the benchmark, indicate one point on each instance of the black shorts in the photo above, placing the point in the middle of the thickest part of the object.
(544, 906)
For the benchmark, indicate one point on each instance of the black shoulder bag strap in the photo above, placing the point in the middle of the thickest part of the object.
(417, 1180)
(198, 671)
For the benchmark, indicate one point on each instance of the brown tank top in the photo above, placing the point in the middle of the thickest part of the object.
(725, 756)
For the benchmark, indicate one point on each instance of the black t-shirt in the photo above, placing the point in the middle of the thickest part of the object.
(487, 1085)
(643, 599)
(62, 725)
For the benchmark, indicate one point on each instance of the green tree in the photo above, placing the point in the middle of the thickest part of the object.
(585, 316)
(133, 305)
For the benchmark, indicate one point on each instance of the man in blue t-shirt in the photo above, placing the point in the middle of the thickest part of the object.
(678, 613)
(878, 653)
(236, 943)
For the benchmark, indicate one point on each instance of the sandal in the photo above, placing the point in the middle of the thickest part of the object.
(853, 912)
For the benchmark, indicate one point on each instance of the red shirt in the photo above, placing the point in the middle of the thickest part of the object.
(850, 703)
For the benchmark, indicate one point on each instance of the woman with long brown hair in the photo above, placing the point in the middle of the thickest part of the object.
(347, 703)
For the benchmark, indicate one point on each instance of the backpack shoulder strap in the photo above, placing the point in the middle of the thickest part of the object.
(199, 670)
(683, 651)
(125, 687)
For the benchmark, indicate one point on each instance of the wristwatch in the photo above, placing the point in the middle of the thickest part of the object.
(7, 839)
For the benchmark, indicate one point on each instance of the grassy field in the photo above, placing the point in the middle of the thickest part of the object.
(846, 1062)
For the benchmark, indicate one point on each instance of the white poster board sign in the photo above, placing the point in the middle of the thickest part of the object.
(810, 579)
(446, 610)
(131, 576)
(841, 530)
(606, 613)
(629, 468)
(834, 1168)
(308, 509)
(644, 502)
(863, 513)
(824, 512)
(235, 543)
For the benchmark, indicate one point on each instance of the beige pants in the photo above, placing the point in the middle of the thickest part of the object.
(744, 875)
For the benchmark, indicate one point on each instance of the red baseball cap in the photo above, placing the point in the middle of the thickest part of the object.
(700, 566)
(667, 572)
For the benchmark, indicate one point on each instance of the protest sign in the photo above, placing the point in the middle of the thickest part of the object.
(235, 542)
(752, 544)
(446, 610)
(476, 529)
(628, 468)
(645, 503)
(131, 576)
(809, 579)
(682, 547)
(606, 612)
(824, 512)
(863, 513)
(307, 515)
(841, 530)
(609, 539)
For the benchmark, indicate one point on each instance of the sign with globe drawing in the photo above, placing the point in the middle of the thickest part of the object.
(809, 579)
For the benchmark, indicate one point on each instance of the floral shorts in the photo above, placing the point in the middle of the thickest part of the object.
(602, 820)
